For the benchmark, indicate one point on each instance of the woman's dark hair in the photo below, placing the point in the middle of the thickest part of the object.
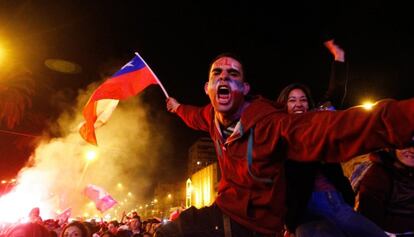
(284, 95)
(80, 225)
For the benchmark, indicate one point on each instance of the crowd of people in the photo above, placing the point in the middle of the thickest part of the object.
(280, 162)
(129, 226)
(280, 165)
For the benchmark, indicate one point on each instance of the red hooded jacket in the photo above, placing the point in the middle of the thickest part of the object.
(252, 188)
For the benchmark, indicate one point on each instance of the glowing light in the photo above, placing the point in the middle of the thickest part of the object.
(4, 181)
(368, 105)
(129, 194)
(155, 200)
(188, 192)
(119, 185)
(2, 53)
(200, 191)
(169, 195)
(30, 192)
(90, 155)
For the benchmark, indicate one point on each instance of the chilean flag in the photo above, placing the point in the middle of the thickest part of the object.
(103, 201)
(133, 77)
(64, 216)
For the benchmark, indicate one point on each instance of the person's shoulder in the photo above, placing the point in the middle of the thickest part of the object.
(384, 157)
(377, 175)
(260, 110)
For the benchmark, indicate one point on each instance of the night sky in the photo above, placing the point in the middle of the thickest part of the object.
(279, 42)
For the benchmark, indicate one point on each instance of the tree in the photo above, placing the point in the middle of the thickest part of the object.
(16, 91)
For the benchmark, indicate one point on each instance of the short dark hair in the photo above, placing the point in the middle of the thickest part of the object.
(137, 217)
(114, 222)
(233, 56)
(284, 94)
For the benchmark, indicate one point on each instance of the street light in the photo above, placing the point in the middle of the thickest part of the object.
(89, 156)
(4, 49)
(2, 53)
(367, 105)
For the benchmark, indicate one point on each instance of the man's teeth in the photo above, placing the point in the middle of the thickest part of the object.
(298, 112)
(223, 90)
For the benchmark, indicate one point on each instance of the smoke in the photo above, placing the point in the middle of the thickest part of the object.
(127, 157)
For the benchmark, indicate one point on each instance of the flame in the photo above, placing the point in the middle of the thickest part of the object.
(16, 205)
(60, 168)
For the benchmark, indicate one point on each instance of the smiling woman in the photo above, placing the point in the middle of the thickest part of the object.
(63, 66)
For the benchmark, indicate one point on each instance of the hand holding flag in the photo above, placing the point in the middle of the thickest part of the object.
(130, 80)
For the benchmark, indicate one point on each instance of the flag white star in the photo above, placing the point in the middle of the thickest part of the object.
(129, 64)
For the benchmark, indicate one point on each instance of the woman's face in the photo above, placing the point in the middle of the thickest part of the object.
(72, 231)
(406, 156)
(297, 102)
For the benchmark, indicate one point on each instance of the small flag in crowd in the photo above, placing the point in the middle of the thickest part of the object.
(103, 201)
(133, 78)
(63, 217)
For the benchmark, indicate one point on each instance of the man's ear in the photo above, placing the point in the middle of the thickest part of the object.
(246, 88)
(206, 88)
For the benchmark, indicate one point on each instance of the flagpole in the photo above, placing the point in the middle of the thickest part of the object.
(156, 78)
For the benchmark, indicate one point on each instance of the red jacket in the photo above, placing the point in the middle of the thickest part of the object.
(252, 188)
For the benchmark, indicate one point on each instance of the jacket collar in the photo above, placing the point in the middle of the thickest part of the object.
(258, 109)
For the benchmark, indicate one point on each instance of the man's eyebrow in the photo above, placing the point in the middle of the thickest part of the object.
(233, 70)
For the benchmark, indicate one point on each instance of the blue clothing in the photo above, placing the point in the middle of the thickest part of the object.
(331, 207)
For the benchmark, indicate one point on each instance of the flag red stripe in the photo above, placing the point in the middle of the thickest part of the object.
(119, 88)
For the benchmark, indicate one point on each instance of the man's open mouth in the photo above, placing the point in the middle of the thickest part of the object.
(223, 94)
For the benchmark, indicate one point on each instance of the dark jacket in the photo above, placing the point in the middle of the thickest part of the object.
(386, 194)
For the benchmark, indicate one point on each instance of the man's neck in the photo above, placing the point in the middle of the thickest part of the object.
(227, 119)
(226, 122)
